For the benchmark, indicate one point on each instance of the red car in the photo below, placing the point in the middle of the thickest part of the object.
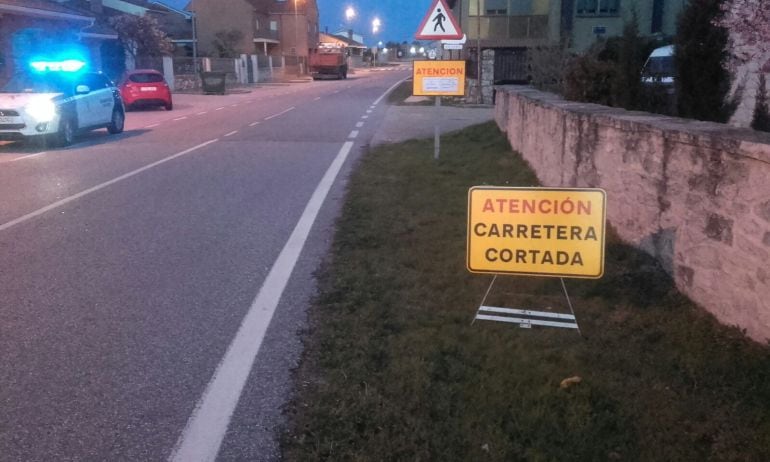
(145, 87)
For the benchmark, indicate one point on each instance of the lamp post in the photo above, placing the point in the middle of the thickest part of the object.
(296, 30)
(376, 28)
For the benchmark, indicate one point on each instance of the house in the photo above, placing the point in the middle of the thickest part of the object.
(506, 29)
(267, 27)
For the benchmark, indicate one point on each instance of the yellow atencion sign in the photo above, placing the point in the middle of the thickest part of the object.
(439, 78)
(556, 232)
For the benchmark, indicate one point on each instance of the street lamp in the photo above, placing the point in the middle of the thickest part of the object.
(376, 25)
(350, 13)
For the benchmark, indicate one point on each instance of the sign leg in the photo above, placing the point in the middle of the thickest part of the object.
(483, 300)
(569, 303)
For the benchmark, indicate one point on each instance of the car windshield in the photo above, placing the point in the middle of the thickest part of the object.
(49, 82)
(145, 78)
(659, 65)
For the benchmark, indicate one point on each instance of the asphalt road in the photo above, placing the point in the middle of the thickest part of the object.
(139, 272)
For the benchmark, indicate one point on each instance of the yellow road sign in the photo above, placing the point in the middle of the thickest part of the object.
(439, 78)
(556, 232)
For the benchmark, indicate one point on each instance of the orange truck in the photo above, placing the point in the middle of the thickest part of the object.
(329, 61)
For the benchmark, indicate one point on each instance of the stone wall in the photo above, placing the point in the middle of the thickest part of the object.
(694, 194)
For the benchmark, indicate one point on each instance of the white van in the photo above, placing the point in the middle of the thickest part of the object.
(659, 68)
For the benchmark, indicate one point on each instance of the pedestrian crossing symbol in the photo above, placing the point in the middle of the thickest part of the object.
(439, 24)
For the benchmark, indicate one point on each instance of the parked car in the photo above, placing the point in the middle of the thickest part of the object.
(57, 100)
(659, 68)
(145, 87)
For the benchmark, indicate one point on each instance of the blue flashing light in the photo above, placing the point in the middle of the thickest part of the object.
(68, 65)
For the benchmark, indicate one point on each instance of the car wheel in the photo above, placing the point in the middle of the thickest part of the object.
(66, 134)
(117, 122)
(169, 106)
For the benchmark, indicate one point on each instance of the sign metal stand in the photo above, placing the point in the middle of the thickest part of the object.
(527, 318)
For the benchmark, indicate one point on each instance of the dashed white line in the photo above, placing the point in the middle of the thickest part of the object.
(353, 134)
(219, 108)
(280, 113)
(253, 124)
(234, 105)
(232, 133)
(202, 113)
(29, 156)
(152, 126)
(180, 118)
(368, 111)
(359, 124)
(88, 191)
(202, 437)
(316, 98)
(364, 116)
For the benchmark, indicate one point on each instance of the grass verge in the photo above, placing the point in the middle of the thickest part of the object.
(394, 370)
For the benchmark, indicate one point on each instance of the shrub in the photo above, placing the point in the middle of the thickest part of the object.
(702, 80)
(761, 119)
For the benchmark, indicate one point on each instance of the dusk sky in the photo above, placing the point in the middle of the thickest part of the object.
(400, 18)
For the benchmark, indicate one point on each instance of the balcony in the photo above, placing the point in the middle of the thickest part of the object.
(512, 30)
(266, 35)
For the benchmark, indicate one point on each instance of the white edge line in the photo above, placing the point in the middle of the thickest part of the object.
(204, 432)
(377, 101)
(29, 156)
(93, 189)
(279, 114)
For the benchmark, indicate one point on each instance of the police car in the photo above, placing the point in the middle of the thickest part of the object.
(56, 100)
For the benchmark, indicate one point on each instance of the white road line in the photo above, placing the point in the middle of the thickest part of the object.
(253, 124)
(201, 113)
(88, 191)
(180, 118)
(368, 111)
(353, 134)
(202, 437)
(219, 108)
(359, 124)
(232, 133)
(234, 105)
(152, 126)
(364, 116)
(316, 98)
(377, 101)
(336, 91)
(279, 114)
(29, 156)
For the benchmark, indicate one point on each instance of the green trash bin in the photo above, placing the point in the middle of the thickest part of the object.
(213, 82)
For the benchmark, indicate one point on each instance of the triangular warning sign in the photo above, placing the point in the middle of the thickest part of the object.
(439, 24)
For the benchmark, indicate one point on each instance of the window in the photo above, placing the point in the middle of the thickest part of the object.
(598, 7)
(474, 6)
(273, 25)
(256, 24)
(496, 7)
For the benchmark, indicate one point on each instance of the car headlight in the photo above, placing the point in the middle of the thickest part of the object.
(42, 110)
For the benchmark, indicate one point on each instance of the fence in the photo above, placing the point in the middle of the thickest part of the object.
(183, 73)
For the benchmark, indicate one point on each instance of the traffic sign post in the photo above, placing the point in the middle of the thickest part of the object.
(552, 232)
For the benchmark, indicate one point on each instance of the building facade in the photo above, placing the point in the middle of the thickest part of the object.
(505, 29)
(267, 27)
